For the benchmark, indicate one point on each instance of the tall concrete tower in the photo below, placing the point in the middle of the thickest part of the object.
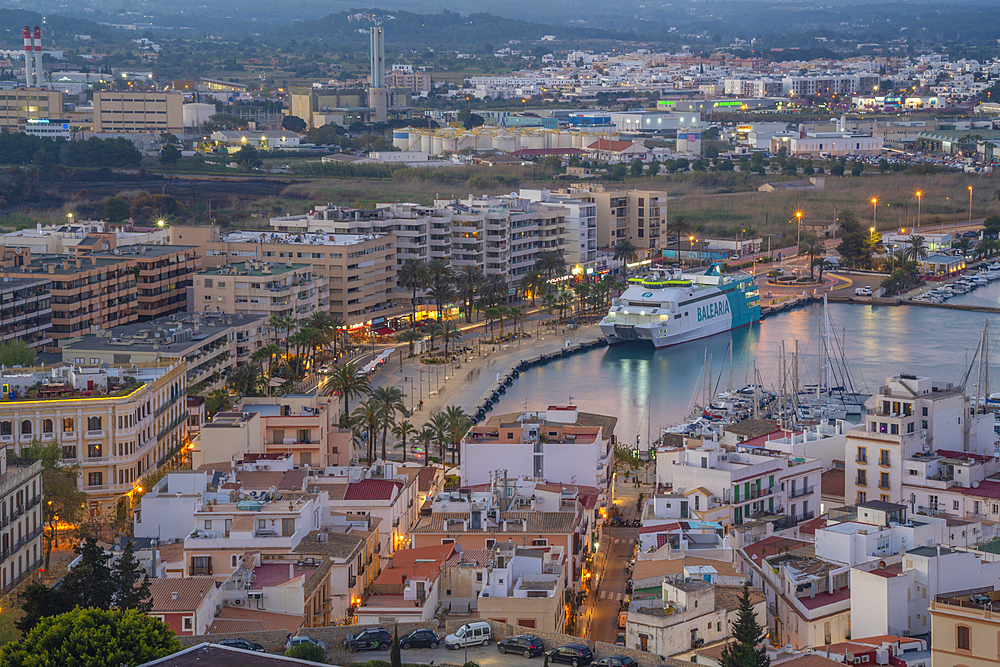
(29, 77)
(377, 57)
(39, 79)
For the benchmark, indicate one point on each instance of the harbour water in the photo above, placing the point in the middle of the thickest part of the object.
(649, 388)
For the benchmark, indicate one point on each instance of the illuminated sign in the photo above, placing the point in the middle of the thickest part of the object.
(664, 103)
(728, 104)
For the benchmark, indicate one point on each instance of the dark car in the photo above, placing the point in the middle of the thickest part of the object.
(571, 654)
(526, 645)
(420, 639)
(239, 642)
(366, 640)
(616, 661)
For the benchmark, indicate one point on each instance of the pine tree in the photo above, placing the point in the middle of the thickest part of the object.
(395, 660)
(745, 649)
(130, 583)
(89, 583)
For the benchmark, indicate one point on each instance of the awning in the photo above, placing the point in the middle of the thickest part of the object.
(384, 331)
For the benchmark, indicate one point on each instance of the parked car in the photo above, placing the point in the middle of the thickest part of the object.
(469, 634)
(862, 291)
(774, 273)
(328, 368)
(571, 654)
(526, 645)
(620, 640)
(239, 642)
(303, 639)
(420, 639)
(617, 661)
(367, 640)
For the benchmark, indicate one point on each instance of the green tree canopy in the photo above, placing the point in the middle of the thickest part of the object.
(746, 649)
(293, 124)
(247, 159)
(115, 209)
(92, 638)
(169, 155)
(63, 498)
(17, 353)
(307, 651)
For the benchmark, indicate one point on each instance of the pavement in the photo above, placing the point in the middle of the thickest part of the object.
(485, 656)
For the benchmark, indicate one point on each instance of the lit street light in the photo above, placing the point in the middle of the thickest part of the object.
(919, 195)
(798, 238)
(874, 213)
(970, 203)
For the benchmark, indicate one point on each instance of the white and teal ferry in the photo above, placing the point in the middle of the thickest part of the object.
(669, 307)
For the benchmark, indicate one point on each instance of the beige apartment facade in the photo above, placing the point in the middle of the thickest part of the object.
(965, 631)
(118, 424)
(20, 104)
(128, 111)
(20, 518)
(271, 289)
(361, 268)
(636, 216)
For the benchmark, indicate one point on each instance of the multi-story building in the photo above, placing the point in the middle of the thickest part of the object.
(164, 272)
(361, 269)
(581, 220)
(17, 105)
(417, 81)
(118, 423)
(65, 237)
(130, 111)
(909, 417)
(270, 289)
(305, 427)
(21, 551)
(964, 629)
(636, 216)
(524, 586)
(559, 444)
(26, 311)
(211, 345)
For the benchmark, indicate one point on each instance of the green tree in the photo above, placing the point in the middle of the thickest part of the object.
(115, 209)
(468, 119)
(247, 159)
(916, 247)
(307, 651)
(746, 649)
(63, 499)
(411, 337)
(130, 583)
(635, 168)
(92, 638)
(679, 226)
(395, 660)
(89, 584)
(169, 155)
(17, 353)
(991, 226)
(534, 282)
(625, 252)
(348, 381)
(413, 275)
(38, 602)
(293, 124)
(812, 247)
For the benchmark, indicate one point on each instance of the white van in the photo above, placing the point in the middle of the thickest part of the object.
(469, 634)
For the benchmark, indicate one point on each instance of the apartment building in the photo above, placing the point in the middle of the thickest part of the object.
(909, 417)
(21, 550)
(830, 84)
(26, 311)
(524, 586)
(360, 269)
(580, 251)
(117, 423)
(17, 105)
(262, 288)
(210, 344)
(64, 237)
(304, 427)
(163, 273)
(416, 81)
(130, 111)
(636, 216)
(351, 547)
(559, 445)
(964, 629)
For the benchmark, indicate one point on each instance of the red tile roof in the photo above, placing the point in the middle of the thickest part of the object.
(771, 545)
(186, 594)
(824, 599)
(372, 489)
(812, 525)
(609, 145)
(986, 489)
(239, 619)
(661, 528)
(964, 456)
(832, 482)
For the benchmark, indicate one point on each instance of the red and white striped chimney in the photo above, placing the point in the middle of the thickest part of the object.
(29, 80)
(38, 56)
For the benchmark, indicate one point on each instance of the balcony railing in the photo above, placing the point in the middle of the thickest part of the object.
(200, 571)
(351, 581)
(803, 491)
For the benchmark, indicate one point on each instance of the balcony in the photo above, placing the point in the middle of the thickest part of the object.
(200, 571)
(803, 491)
(351, 581)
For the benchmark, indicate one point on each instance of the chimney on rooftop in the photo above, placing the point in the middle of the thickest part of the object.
(173, 595)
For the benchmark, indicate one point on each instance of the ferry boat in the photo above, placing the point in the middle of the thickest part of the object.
(669, 306)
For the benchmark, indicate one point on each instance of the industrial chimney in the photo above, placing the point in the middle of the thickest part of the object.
(29, 80)
(38, 56)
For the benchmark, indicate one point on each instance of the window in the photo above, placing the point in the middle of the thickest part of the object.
(923, 412)
(862, 497)
(232, 561)
(883, 480)
(208, 282)
(490, 543)
(188, 624)
(862, 479)
(6, 428)
(208, 524)
(95, 479)
(963, 640)
(47, 426)
(68, 425)
(94, 424)
(954, 504)
(862, 455)
(287, 527)
(539, 543)
(447, 541)
(26, 427)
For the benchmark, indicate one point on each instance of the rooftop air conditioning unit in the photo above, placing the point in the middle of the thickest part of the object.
(255, 595)
(238, 602)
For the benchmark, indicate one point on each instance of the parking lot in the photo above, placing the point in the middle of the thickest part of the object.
(485, 656)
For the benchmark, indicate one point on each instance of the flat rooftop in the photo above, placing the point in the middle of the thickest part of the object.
(141, 336)
(305, 238)
(254, 270)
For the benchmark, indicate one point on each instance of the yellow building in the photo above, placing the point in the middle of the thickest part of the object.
(20, 104)
(965, 630)
(117, 423)
(128, 111)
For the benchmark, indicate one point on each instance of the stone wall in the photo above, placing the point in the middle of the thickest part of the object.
(334, 637)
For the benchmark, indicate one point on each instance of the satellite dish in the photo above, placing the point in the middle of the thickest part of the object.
(975, 485)
(849, 656)
(458, 547)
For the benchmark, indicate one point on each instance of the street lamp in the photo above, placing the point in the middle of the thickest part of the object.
(874, 213)
(919, 195)
(970, 203)
(871, 235)
(161, 223)
(691, 250)
(798, 238)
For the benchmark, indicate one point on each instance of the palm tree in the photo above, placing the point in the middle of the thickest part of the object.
(286, 322)
(916, 248)
(391, 400)
(433, 330)
(491, 314)
(468, 283)
(963, 246)
(823, 264)
(404, 429)
(625, 253)
(563, 301)
(551, 264)
(459, 424)
(534, 282)
(450, 332)
(517, 316)
(413, 275)
(680, 226)
(440, 279)
(495, 289)
(813, 248)
(370, 415)
(247, 379)
(582, 291)
(996, 195)
(425, 437)
(266, 353)
(439, 426)
(411, 337)
(349, 381)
